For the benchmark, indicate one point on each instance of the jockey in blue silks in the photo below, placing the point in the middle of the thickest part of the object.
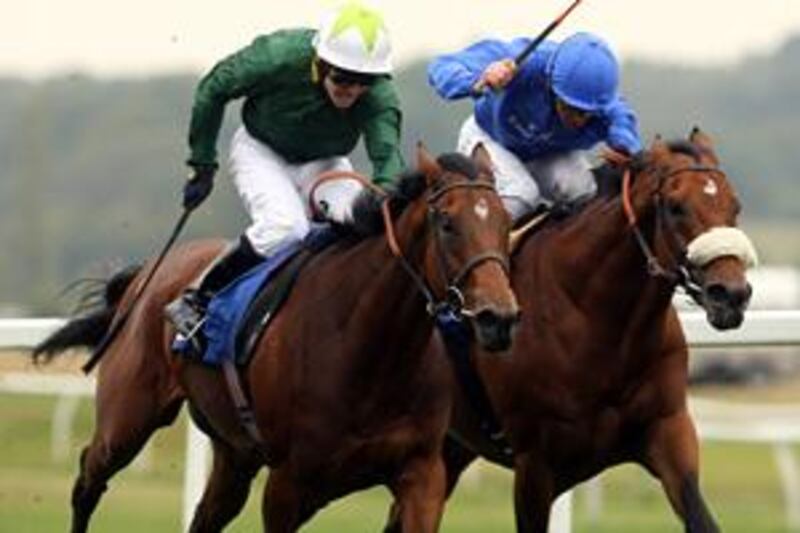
(536, 119)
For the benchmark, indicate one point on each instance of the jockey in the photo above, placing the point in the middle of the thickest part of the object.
(561, 101)
(309, 96)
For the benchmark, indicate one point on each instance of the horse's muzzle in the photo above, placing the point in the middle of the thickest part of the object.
(725, 304)
(495, 330)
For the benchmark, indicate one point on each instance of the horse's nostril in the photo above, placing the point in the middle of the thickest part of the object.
(495, 330)
(740, 297)
(486, 317)
(717, 293)
(722, 294)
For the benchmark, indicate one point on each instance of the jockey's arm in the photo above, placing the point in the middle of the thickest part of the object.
(231, 78)
(453, 76)
(381, 128)
(623, 130)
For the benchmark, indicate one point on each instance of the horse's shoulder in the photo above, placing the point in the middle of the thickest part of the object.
(195, 254)
(204, 246)
(674, 336)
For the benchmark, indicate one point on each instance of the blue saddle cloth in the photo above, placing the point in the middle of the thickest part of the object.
(228, 307)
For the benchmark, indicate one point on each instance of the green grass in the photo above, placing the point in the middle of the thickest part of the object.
(740, 483)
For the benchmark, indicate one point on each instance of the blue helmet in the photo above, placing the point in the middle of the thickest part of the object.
(584, 72)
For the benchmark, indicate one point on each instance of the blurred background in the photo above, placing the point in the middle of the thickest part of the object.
(94, 106)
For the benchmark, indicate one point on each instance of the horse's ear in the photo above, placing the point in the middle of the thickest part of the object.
(659, 149)
(427, 164)
(703, 141)
(483, 160)
(700, 138)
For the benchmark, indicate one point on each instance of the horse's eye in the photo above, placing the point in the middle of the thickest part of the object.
(445, 222)
(676, 209)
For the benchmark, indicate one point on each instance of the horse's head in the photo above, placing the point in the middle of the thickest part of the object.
(466, 258)
(681, 188)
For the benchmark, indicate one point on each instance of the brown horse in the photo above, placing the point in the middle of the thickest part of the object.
(598, 372)
(343, 393)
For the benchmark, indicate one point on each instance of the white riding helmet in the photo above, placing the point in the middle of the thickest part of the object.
(354, 38)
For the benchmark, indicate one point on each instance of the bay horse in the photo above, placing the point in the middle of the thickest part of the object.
(342, 391)
(597, 374)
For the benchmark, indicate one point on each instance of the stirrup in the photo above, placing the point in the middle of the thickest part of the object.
(186, 313)
(188, 316)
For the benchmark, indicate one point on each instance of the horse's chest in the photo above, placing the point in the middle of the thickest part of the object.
(373, 455)
(591, 439)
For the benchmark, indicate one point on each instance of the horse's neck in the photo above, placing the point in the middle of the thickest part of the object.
(389, 301)
(601, 267)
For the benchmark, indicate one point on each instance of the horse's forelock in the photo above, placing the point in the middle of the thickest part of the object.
(685, 148)
(459, 164)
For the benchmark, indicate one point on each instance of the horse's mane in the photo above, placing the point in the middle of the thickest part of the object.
(367, 217)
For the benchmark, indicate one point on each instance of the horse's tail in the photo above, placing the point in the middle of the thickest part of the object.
(91, 326)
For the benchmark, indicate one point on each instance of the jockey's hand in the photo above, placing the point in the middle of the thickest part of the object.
(498, 74)
(617, 155)
(198, 187)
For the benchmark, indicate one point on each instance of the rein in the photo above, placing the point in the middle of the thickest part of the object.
(453, 299)
(683, 273)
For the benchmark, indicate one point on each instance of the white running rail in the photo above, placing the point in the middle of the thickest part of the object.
(779, 426)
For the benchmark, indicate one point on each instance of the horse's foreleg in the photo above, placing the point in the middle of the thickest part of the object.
(672, 455)
(226, 491)
(533, 494)
(286, 505)
(419, 491)
(456, 459)
(122, 430)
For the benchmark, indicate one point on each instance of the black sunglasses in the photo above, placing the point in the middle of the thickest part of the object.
(346, 78)
(575, 111)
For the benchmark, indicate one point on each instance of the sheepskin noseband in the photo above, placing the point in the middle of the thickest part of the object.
(720, 242)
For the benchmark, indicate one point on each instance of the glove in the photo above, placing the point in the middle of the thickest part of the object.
(198, 187)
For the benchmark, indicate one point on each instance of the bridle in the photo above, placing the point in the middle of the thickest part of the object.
(681, 272)
(453, 299)
(452, 302)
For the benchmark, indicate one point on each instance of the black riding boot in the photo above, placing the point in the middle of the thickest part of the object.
(188, 312)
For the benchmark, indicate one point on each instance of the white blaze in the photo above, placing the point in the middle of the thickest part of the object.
(482, 209)
(711, 188)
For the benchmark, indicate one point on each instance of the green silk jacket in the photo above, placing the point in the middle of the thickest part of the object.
(287, 109)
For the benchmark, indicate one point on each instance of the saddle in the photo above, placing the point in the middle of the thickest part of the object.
(239, 314)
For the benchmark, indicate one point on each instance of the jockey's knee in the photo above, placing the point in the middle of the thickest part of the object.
(335, 200)
(575, 191)
(517, 207)
(265, 238)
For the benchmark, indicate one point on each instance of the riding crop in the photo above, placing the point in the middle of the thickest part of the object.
(533, 45)
(117, 325)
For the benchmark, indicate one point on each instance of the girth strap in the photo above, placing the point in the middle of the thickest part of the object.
(243, 409)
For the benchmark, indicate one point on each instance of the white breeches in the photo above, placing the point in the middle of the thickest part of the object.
(524, 185)
(275, 192)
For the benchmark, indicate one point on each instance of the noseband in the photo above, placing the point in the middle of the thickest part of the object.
(452, 302)
(682, 272)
